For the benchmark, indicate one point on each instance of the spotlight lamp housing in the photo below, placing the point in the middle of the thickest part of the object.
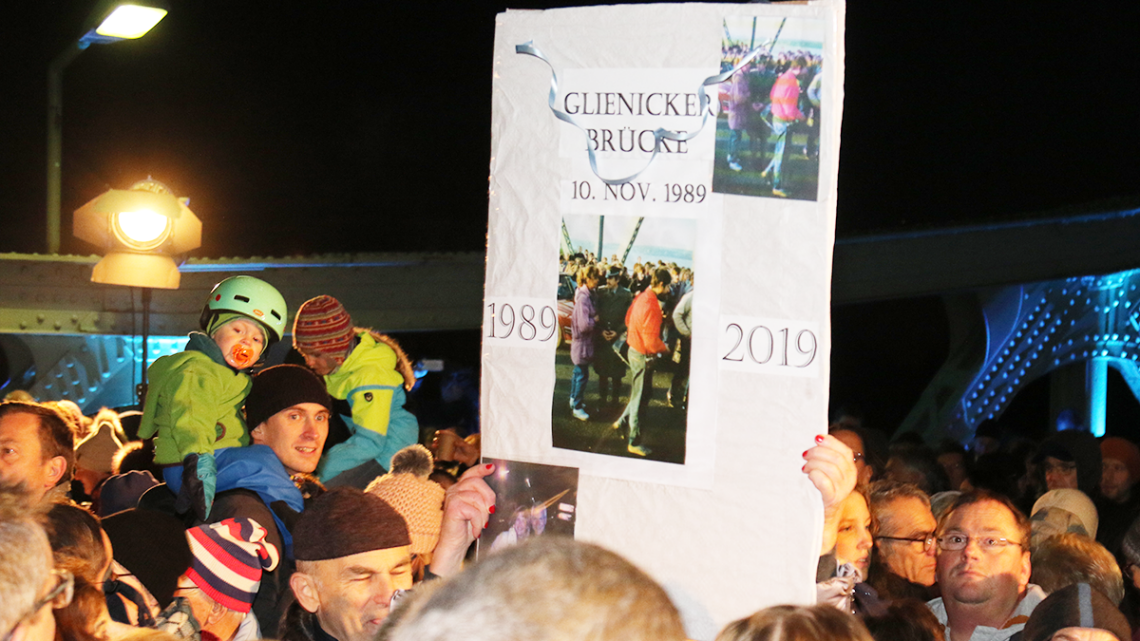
(140, 229)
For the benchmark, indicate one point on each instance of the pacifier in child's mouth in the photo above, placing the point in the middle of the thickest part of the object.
(241, 356)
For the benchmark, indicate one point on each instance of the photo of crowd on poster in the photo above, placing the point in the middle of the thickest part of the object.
(768, 123)
(530, 500)
(625, 295)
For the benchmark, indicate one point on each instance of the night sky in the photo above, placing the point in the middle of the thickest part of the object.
(301, 128)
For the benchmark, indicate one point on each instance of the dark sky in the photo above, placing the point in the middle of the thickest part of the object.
(364, 126)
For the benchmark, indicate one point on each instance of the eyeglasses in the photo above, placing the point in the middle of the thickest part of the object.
(956, 542)
(927, 541)
(59, 597)
(1062, 467)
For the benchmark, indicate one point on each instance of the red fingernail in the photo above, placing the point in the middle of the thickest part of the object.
(805, 453)
(489, 465)
(804, 468)
(492, 510)
(819, 438)
(486, 524)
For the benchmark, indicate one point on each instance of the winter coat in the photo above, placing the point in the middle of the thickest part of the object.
(786, 97)
(194, 403)
(643, 321)
(582, 327)
(372, 379)
(738, 101)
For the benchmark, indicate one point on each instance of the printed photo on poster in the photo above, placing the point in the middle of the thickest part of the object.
(767, 133)
(625, 295)
(530, 500)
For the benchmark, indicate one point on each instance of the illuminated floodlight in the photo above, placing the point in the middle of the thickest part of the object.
(141, 229)
(130, 21)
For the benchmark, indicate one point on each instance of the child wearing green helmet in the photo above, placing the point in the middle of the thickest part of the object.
(193, 406)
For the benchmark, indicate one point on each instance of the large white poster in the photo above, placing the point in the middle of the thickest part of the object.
(662, 204)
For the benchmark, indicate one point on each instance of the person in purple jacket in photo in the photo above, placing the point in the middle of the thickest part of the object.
(582, 338)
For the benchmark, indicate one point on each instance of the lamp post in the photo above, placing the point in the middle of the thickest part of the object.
(121, 22)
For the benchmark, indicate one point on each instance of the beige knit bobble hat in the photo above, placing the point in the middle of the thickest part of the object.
(418, 499)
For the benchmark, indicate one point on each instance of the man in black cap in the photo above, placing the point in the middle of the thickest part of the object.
(288, 410)
(353, 556)
(1071, 460)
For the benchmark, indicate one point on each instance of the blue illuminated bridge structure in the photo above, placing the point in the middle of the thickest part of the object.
(1032, 330)
(1050, 295)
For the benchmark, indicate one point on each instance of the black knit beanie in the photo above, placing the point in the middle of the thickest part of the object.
(281, 387)
(346, 521)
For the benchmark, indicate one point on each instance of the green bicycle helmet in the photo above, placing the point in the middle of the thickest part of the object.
(250, 297)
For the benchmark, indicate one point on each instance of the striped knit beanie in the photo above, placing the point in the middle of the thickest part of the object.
(229, 557)
(322, 325)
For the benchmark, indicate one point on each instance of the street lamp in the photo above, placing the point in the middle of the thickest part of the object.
(114, 22)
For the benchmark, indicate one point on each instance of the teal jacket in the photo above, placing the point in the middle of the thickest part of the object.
(374, 388)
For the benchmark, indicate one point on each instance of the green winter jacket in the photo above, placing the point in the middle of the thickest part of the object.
(194, 403)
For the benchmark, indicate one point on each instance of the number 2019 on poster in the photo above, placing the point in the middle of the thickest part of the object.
(769, 346)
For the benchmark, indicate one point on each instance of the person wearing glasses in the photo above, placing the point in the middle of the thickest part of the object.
(984, 569)
(30, 589)
(903, 561)
(1071, 460)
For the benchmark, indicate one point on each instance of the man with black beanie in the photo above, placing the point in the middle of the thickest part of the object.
(288, 410)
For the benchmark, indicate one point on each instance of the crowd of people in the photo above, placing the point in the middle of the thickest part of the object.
(1004, 539)
(769, 100)
(101, 540)
(232, 517)
(631, 324)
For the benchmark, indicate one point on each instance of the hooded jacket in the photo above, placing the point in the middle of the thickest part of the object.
(373, 380)
(194, 403)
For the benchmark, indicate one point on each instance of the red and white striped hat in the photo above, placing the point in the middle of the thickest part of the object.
(229, 557)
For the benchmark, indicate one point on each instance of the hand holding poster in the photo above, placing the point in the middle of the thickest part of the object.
(662, 208)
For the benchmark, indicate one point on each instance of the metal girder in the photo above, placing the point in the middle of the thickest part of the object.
(1101, 240)
(1023, 333)
(391, 292)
